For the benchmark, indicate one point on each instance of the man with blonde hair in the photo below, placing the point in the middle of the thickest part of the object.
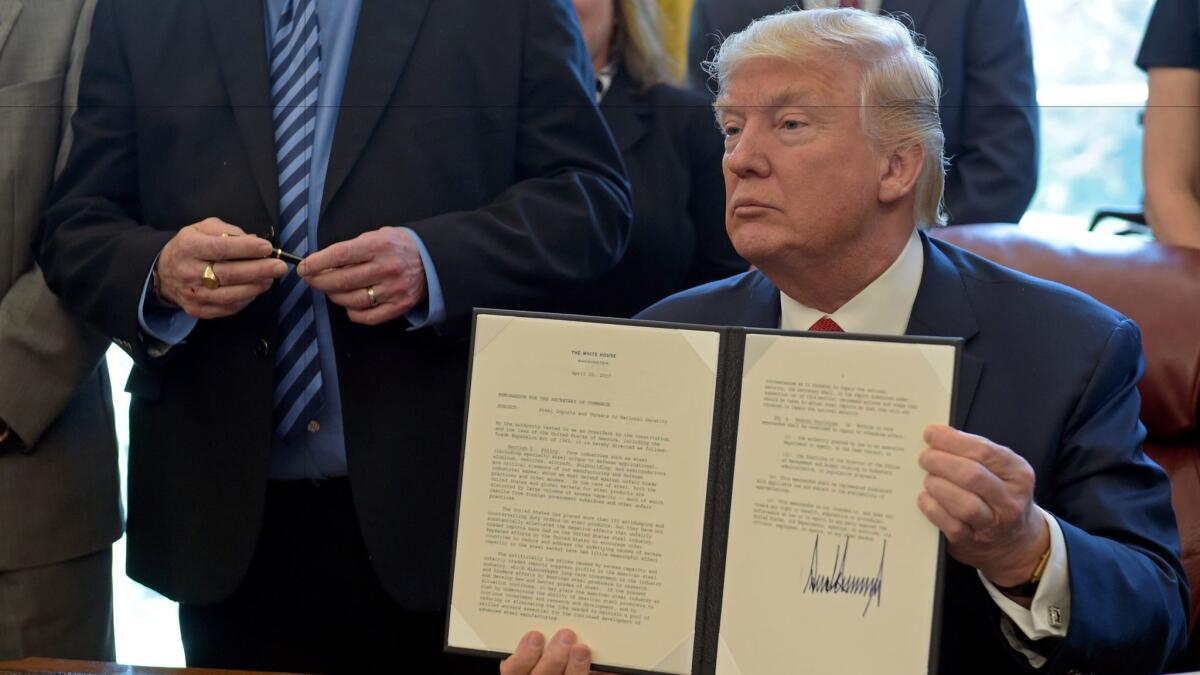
(988, 104)
(1063, 554)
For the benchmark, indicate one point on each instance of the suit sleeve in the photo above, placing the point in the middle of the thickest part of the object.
(94, 252)
(994, 176)
(565, 222)
(1129, 593)
(46, 353)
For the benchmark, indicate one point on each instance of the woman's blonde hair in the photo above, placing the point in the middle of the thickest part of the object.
(900, 84)
(638, 43)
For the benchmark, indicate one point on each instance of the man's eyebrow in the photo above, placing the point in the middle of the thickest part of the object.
(790, 97)
(722, 106)
(783, 98)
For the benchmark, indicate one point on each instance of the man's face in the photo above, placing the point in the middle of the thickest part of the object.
(801, 179)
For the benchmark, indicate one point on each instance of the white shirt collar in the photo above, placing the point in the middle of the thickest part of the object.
(872, 6)
(882, 308)
(604, 79)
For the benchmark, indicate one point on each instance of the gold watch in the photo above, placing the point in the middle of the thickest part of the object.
(1029, 588)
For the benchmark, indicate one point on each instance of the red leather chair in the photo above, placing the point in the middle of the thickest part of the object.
(1157, 286)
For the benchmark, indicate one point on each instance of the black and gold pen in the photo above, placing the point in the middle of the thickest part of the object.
(290, 258)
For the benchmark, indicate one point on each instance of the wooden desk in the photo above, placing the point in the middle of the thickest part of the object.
(62, 667)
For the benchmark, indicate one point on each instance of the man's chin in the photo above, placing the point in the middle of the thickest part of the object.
(753, 246)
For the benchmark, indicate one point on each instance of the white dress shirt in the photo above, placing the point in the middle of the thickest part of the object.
(884, 308)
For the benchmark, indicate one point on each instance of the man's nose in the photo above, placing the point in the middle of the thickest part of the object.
(746, 156)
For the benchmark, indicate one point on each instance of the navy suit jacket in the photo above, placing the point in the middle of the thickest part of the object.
(989, 99)
(472, 123)
(1052, 374)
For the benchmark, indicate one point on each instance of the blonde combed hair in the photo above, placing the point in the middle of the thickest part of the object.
(638, 42)
(900, 85)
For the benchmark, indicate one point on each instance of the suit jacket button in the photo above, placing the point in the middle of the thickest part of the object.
(261, 348)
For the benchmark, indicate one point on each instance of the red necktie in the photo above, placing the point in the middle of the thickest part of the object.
(852, 4)
(826, 324)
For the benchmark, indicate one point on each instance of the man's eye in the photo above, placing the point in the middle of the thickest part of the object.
(792, 125)
(731, 130)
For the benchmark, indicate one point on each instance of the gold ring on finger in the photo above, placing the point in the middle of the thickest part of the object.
(371, 296)
(209, 279)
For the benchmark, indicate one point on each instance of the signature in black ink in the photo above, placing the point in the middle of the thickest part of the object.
(838, 582)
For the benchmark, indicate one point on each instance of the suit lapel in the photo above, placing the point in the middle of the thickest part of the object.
(240, 37)
(761, 308)
(943, 310)
(917, 9)
(383, 42)
(625, 110)
(9, 11)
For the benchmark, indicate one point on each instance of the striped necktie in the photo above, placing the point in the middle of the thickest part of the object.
(295, 73)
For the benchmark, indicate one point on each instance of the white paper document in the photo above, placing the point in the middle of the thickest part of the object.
(699, 500)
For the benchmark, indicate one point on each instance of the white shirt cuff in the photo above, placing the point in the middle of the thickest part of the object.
(1049, 615)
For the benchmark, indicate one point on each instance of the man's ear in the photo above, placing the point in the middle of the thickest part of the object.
(899, 172)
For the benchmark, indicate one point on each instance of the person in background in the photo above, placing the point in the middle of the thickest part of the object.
(295, 432)
(1170, 54)
(60, 501)
(989, 97)
(672, 152)
(1062, 551)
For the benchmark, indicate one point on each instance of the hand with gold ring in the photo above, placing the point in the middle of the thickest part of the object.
(385, 262)
(187, 269)
(209, 279)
